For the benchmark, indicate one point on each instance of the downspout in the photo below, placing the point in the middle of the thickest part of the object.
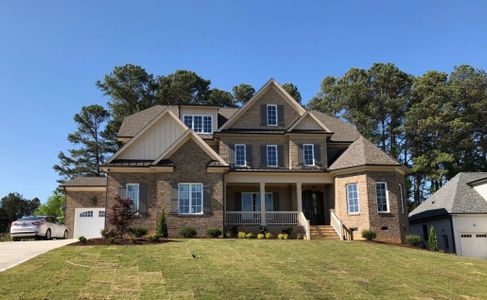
(106, 199)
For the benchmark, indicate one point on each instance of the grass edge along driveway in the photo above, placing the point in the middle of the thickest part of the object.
(245, 269)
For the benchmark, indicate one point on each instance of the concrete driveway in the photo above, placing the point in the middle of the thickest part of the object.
(14, 253)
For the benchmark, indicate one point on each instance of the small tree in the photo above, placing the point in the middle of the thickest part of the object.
(432, 241)
(162, 226)
(121, 215)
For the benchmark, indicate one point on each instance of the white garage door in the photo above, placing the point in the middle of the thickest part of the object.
(474, 244)
(88, 222)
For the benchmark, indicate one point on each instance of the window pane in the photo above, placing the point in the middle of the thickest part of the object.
(309, 155)
(133, 194)
(271, 115)
(352, 198)
(196, 196)
(240, 155)
(188, 120)
(381, 192)
(271, 155)
(184, 198)
(198, 123)
(269, 203)
(207, 124)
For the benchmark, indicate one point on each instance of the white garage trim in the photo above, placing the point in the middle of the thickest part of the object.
(88, 222)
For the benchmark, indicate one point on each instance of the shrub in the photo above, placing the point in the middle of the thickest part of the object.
(260, 236)
(282, 236)
(188, 231)
(213, 232)
(121, 215)
(300, 232)
(262, 229)
(138, 231)
(268, 235)
(83, 240)
(108, 233)
(154, 238)
(231, 232)
(241, 235)
(249, 235)
(288, 230)
(162, 226)
(132, 239)
(369, 235)
(432, 241)
(413, 239)
(112, 239)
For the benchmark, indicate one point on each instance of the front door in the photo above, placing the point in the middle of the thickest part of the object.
(313, 207)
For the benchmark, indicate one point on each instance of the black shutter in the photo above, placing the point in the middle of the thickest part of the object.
(238, 201)
(300, 155)
(231, 153)
(317, 154)
(280, 115)
(280, 155)
(263, 115)
(207, 199)
(248, 152)
(263, 155)
(143, 201)
(174, 199)
(275, 201)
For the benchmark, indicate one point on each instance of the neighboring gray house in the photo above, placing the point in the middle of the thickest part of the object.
(458, 211)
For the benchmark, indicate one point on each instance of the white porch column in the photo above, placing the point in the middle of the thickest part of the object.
(299, 196)
(262, 204)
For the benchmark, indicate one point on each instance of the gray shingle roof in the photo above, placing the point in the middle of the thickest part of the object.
(342, 132)
(86, 181)
(456, 196)
(363, 153)
(134, 123)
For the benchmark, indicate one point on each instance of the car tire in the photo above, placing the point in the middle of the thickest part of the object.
(65, 236)
(48, 235)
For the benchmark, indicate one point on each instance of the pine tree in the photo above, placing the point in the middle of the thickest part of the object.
(91, 148)
(432, 241)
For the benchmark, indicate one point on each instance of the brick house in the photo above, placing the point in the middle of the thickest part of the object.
(269, 163)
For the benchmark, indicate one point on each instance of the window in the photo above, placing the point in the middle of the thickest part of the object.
(401, 198)
(271, 155)
(190, 198)
(309, 154)
(352, 198)
(382, 197)
(101, 214)
(199, 123)
(86, 214)
(271, 115)
(251, 201)
(133, 194)
(240, 155)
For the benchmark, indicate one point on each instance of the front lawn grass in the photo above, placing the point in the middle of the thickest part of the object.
(245, 269)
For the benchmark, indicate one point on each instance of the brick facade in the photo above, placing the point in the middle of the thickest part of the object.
(75, 199)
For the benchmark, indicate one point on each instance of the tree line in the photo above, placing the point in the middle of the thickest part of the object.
(435, 123)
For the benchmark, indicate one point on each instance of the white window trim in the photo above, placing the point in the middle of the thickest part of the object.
(358, 199)
(313, 153)
(191, 198)
(267, 156)
(202, 122)
(245, 154)
(403, 205)
(138, 194)
(256, 193)
(267, 115)
(387, 198)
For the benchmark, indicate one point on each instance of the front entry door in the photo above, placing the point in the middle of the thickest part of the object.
(313, 207)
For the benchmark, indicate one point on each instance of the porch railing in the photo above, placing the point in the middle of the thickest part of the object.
(255, 217)
(337, 224)
(305, 223)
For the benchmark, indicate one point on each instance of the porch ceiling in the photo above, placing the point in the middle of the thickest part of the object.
(255, 177)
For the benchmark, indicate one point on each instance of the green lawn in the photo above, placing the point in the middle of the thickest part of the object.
(245, 269)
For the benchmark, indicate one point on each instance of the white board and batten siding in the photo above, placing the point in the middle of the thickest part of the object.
(155, 141)
(471, 234)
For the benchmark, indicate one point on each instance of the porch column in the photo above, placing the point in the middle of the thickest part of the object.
(299, 196)
(262, 204)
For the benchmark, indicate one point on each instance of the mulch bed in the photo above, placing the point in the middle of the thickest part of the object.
(102, 241)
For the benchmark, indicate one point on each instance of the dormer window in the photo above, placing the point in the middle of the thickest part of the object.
(199, 123)
(271, 112)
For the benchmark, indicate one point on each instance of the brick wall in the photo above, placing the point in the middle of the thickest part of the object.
(294, 142)
(79, 200)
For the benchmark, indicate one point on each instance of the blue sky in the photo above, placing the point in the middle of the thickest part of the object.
(52, 52)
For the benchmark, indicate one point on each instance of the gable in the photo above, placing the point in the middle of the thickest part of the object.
(153, 140)
(252, 114)
(308, 122)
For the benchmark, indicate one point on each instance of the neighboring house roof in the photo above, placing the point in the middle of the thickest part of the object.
(342, 132)
(363, 153)
(455, 197)
(85, 181)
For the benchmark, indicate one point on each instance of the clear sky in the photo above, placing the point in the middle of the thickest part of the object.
(52, 52)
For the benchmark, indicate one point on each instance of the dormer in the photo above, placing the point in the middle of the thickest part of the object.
(203, 120)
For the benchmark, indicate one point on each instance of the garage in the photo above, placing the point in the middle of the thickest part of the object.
(474, 244)
(88, 222)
